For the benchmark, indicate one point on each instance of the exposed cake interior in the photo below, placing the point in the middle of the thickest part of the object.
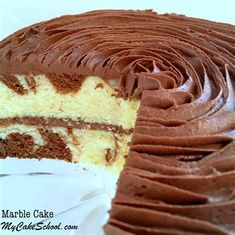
(89, 124)
(94, 102)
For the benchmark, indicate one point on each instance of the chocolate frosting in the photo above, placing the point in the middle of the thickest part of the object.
(187, 60)
(180, 173)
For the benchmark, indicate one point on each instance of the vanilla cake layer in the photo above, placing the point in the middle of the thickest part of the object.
(95, 101)
(101, 148)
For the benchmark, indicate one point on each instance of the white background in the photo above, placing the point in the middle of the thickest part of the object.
(15, 14)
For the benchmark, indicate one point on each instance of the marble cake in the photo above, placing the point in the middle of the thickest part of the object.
(156, 90)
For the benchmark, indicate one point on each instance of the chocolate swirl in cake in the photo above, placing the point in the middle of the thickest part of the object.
(179, 177)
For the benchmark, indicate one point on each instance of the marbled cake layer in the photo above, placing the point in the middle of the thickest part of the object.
(102, 148)
(94, 102)
(90, 125)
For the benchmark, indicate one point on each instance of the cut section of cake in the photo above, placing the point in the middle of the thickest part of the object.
(104, 86)
(85, 122)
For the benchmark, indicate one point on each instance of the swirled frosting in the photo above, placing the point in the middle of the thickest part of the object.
(179, 177)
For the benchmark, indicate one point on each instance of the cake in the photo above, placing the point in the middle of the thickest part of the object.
(153, 92)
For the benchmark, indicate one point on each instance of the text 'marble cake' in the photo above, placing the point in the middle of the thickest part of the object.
(156, 90)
